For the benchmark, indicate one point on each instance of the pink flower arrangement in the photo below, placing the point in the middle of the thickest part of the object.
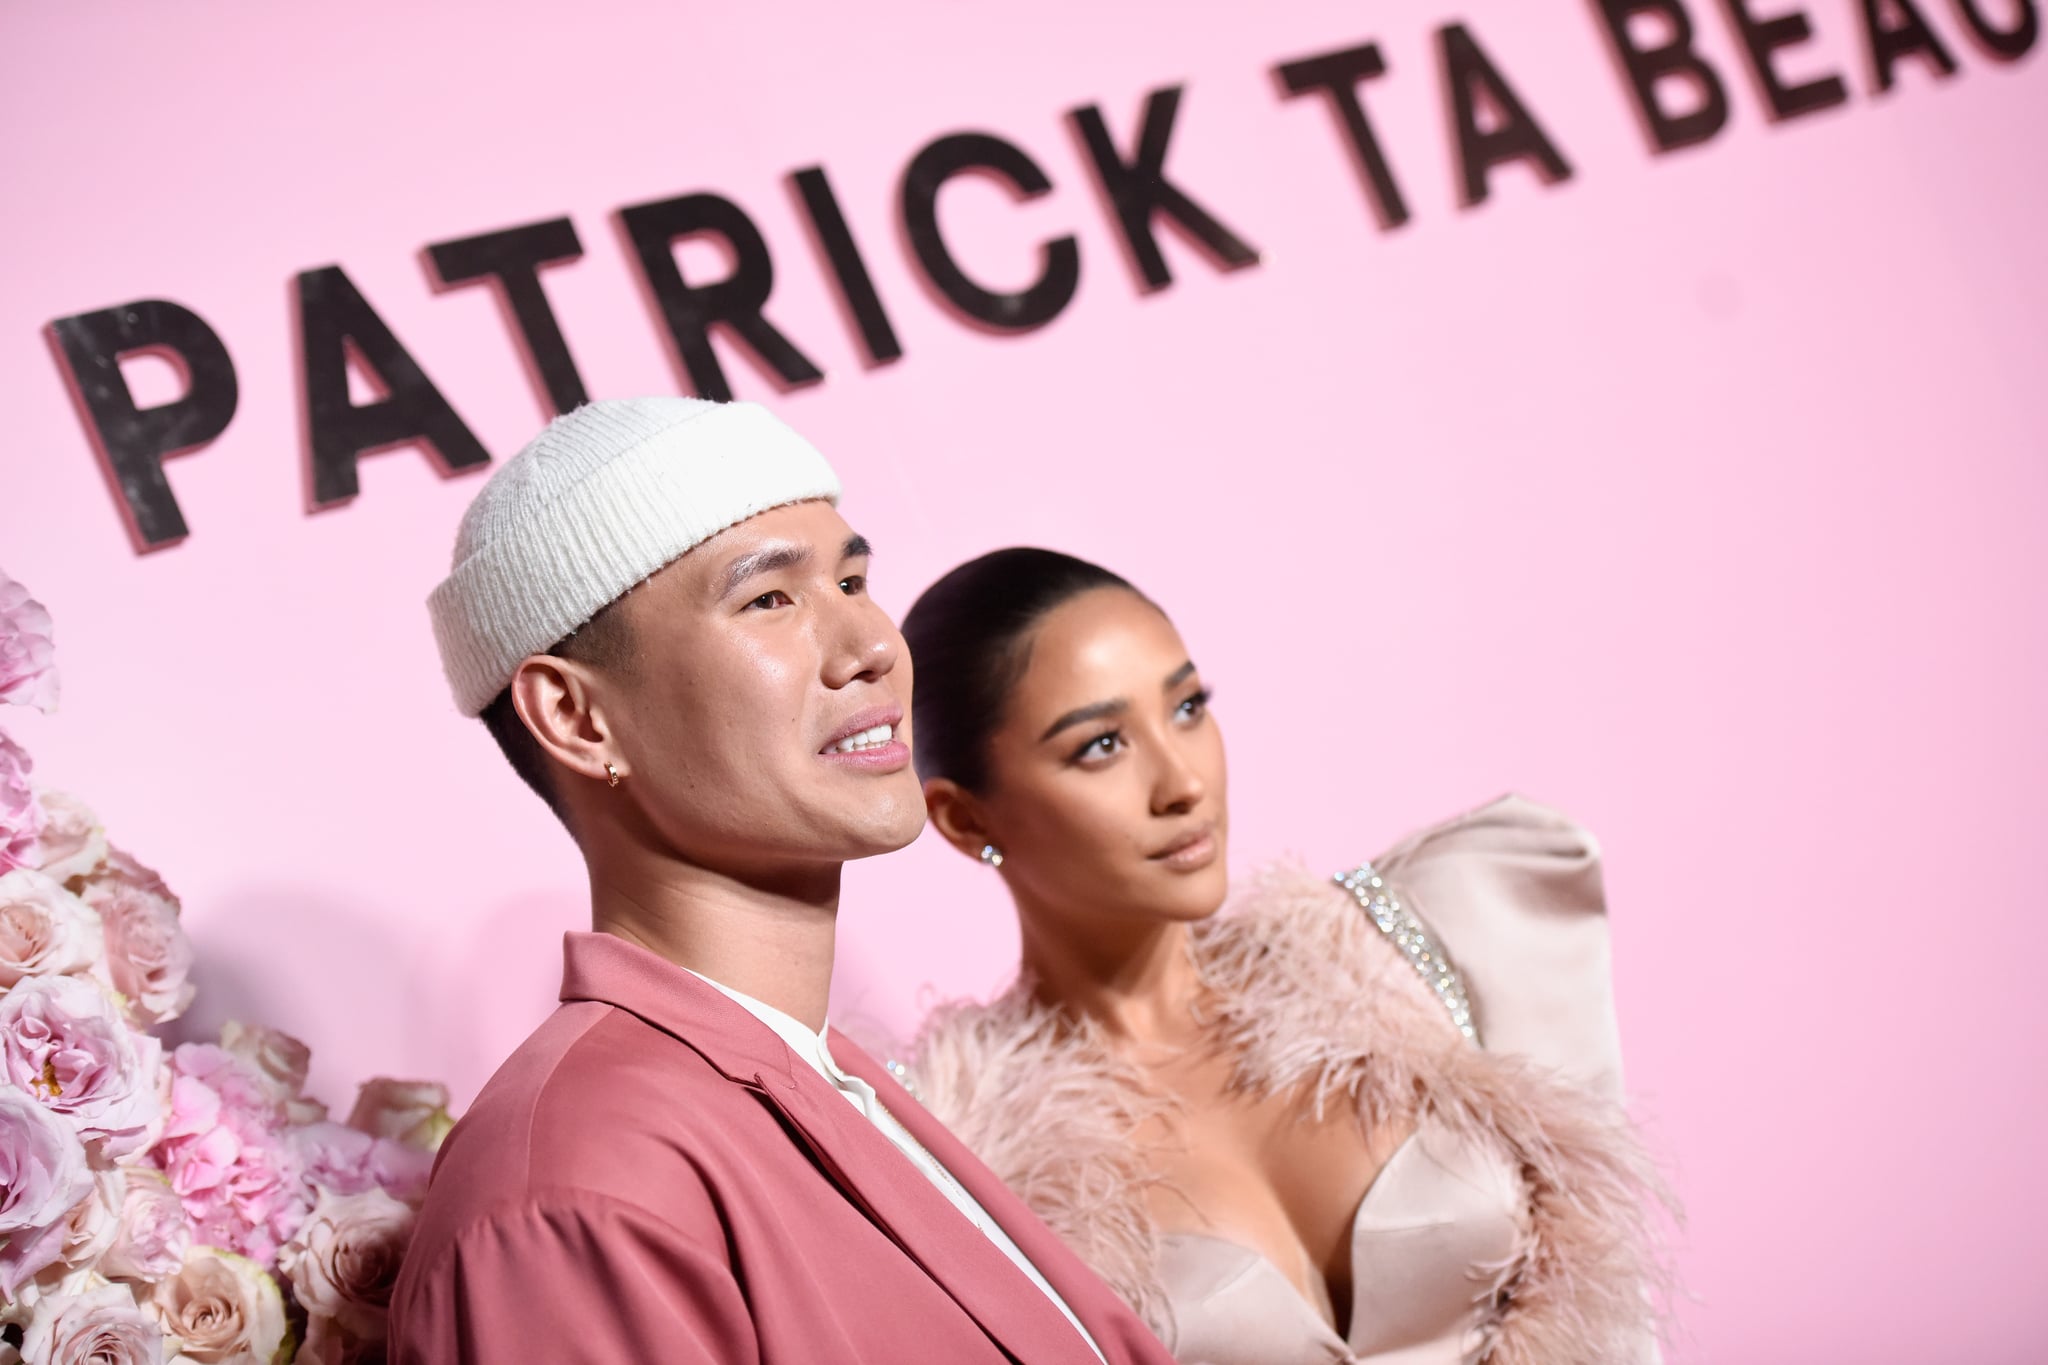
(156, 1206)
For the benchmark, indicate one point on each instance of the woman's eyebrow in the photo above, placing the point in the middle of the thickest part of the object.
(1081, 715)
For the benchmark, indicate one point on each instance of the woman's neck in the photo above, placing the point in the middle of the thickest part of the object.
(1139, 985)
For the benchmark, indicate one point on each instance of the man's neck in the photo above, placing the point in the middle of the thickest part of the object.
(770, 938)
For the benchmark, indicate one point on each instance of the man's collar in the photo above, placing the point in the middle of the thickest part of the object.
(611, 971)
(808, 1046)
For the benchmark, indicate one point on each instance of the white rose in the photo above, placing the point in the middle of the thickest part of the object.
(154, 1232)
(412, 1112)
(44, 929)
(223, 1309)
(73, 842)
(280, 1059)
(102, 1326)
(344, 1261)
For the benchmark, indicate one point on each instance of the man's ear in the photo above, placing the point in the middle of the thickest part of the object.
(956, 815)
(557, 700)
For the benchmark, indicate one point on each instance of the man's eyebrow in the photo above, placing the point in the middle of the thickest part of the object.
(1081, 715)
(1179, 676)
(767, 560)
(857, 547)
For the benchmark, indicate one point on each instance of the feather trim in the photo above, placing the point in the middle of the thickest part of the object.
(1040, 1098)
(1310, 997)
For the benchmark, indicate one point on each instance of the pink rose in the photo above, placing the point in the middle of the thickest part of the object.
(43, 1175)
(230, 1165)
(44, 929)
(149, 958)
(154, 1234)
(28, 667)
(102, 1326)
(73, 842)
(333, 1157)
(336, 1159)
(344, 1262)
(237, 1083)
(21, 815)
(63, 1041)
(222, 1308)
(122, 866)
(277, 1058)
(412, 1112)
(400, 1170)
(83, 1236)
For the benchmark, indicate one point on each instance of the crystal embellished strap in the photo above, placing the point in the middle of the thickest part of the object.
(1416, 943)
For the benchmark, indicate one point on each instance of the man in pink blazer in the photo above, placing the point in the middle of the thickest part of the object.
(662, 618)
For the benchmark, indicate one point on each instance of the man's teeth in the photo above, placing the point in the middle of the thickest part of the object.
(866, 739)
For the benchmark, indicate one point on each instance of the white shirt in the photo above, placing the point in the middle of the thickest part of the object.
(812, 1049)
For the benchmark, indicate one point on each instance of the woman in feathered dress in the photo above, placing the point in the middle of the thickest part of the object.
(1369, 1118)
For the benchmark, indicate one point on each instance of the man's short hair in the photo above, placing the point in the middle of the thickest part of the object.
(604, 642)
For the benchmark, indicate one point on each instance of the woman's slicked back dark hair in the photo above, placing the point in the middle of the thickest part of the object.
(969, 637)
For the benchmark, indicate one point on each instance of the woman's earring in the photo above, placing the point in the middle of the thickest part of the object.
(612, 774)
(991, 855)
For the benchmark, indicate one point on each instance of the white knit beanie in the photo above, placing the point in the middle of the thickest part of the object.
(599, 502)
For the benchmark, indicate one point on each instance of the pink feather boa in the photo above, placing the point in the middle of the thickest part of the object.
(1310, 996)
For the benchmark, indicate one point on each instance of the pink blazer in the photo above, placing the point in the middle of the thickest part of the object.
(653, 1176)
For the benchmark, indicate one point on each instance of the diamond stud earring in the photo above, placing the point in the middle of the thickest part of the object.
(991, 855)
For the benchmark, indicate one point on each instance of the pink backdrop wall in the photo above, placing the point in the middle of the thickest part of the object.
(1702, 495)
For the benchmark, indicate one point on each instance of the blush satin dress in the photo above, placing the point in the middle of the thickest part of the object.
(1440, 1212)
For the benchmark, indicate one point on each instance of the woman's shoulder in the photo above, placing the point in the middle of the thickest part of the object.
(1509, 854)
(1511, 839)
(1510, 894)
(1514, 889)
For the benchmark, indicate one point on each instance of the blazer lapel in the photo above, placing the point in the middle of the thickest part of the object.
(865, 1165)
(883, 1183)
